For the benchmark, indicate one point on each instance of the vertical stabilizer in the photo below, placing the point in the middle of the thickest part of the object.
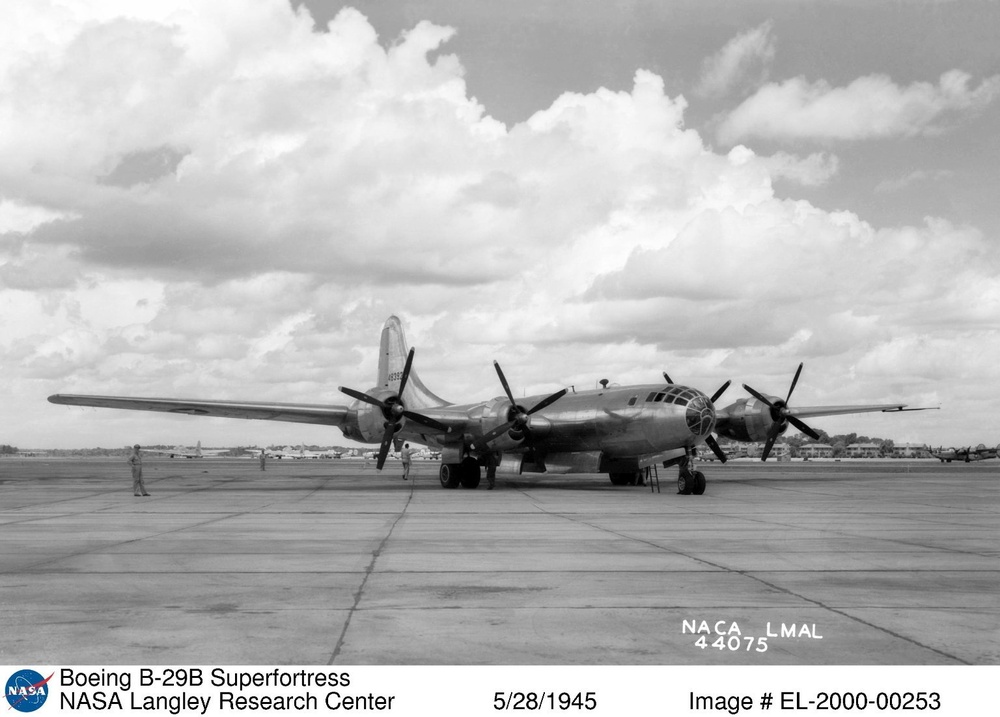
(392, 360)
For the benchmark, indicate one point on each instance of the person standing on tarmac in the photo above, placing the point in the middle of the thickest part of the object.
(407, 456)
(263, 459)
(135, 462)
(491, 470)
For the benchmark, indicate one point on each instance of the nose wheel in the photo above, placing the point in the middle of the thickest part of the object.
(690, 482)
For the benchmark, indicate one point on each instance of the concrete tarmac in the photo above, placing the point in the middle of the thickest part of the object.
(326, 562)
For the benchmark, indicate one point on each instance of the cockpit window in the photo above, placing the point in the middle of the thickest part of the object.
(675, 394)
(680, 396)
(632, 400)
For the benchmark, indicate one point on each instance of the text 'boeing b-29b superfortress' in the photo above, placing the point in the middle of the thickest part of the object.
(618, 430)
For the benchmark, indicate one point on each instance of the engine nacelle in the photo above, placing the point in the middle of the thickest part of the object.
(747, 420)
(495, 414)
(368, 424)
(499, 412)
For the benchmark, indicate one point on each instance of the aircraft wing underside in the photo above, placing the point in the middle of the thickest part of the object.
(289, 412)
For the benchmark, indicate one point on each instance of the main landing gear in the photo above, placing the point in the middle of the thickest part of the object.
(465, 474)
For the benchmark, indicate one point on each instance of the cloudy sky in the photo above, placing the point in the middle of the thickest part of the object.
(227, 199)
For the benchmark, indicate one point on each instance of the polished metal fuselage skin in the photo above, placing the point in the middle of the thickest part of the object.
(617, 421)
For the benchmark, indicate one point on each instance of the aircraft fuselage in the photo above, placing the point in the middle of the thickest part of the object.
(620, 422)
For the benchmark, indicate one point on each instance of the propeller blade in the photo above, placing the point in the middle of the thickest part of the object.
(714, 445)
(425, 421)
(803, 427)
(721, 390)
(503, 382)
(768, 446)
(794, 381)
(667, 376)
(758, 396)
(361, 396)
(383, 450)
(545, 402)
(406, 373)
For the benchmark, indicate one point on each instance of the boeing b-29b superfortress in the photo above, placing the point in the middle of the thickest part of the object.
(618, 430)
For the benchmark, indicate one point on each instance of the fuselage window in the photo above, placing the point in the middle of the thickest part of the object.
(632, 400)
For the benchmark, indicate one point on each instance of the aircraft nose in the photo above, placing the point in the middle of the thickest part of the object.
(700, 416)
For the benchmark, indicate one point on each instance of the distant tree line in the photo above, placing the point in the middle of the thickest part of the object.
(124, 450)
(5, 449)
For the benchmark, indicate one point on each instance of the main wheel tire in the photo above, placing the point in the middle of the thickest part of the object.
(699, 483)
(450, 475)
(685, 483)
(469, 473)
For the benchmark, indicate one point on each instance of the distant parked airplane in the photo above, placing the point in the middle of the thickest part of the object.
(183, 452)
(969, 454)
(301, 453)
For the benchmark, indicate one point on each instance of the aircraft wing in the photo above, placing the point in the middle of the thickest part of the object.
(812, 411)
(290, 412)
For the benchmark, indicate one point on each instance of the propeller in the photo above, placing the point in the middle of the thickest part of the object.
(710, 439)
(517, 416)
(781, 415)
(394, 411)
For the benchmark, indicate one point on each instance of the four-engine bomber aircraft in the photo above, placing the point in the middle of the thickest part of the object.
(618, 430)
(969, 454)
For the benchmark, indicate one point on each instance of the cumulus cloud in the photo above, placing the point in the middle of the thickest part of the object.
(811, 171)
(916, 177)
(218, 200)
(746, 59)
(869, 107)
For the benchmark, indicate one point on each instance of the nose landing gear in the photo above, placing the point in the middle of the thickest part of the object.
(689, 481)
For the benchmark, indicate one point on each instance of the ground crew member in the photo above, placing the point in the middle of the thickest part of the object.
(491, 470)
(135, 461)
(406, 457)
(263, 459)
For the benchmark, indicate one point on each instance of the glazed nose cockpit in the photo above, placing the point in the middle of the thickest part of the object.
(700, 413)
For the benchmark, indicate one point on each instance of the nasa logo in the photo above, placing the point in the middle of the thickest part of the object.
(27, 690)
